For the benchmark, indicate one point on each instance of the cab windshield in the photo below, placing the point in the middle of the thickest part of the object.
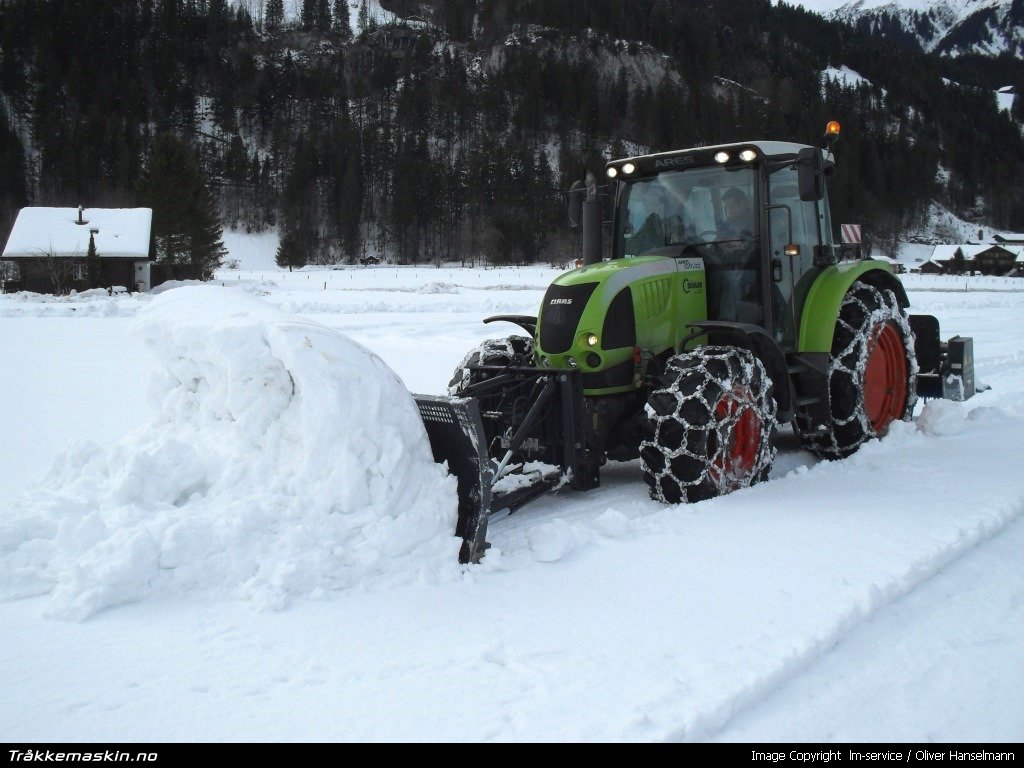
(692, 207)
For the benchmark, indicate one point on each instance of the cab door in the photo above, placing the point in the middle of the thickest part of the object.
(787, 271)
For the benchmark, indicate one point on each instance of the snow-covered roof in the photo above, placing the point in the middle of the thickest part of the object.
(123, 232)
(886, 259)
(946, 252)
(1009, 237)
(1005, 99)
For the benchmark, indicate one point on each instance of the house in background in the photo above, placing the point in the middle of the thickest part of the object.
(46, 252)
(1009, 239)
(978, 258)
(930, 267)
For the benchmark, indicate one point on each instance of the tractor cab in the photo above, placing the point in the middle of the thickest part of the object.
(739, 209)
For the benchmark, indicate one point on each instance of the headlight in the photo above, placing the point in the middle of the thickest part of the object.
(628, 168)
(721, 157)
(612, 173)
(748, 155)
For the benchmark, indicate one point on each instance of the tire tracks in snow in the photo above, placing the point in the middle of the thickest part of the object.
(909, 516)
(925, 570)
(919, 572)
(941, 663)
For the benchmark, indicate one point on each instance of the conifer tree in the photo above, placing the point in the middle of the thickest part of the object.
(13, 182)
(185, 222)
(274, 15)
(291, 252)
(341, 23)
(959, 265)
(322, 15)
(93, 266)
(363, 19)
(351, 206)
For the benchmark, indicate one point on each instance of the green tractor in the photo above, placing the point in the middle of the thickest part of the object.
(724, 311)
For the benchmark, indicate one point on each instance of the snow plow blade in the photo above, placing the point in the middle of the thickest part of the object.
(456, 435)
(532, 419)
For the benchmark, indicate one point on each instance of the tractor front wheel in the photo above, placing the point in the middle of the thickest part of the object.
(511, 350)
(709, 428)
(872, 377)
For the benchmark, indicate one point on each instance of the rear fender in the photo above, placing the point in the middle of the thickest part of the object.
(821, 308)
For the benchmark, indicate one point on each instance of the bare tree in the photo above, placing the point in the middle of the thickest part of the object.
(58, 270)
(10, 272)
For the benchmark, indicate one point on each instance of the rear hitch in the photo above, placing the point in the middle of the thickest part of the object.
(946, 368)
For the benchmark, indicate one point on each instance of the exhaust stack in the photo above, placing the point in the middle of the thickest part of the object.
(593, 250)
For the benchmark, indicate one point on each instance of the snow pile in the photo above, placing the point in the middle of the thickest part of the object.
(283, 460)
(439, 287)
(942, 418)
(92, 303)
(170, 285)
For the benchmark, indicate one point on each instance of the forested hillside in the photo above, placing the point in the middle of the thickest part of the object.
(451, 135)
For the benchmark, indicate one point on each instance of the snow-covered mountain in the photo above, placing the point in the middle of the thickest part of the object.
(948, 26)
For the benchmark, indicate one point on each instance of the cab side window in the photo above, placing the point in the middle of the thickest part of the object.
(787, 270)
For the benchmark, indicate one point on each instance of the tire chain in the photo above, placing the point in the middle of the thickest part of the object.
(687, 419)
(875, 306)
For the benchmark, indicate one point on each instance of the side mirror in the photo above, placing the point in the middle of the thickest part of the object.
(576, 195)
(850, 252)
(825, 256)
(810, 174)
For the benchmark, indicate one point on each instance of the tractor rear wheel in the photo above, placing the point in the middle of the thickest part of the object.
(709, 428)
(511, 350)
(872, 377)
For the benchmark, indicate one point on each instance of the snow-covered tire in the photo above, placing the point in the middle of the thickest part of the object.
(872, 376)
(709, 429)
(511, 350)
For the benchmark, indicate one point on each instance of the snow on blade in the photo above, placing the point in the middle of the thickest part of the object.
(283, 460)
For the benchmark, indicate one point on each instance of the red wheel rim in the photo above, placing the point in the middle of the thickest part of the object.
(885, 377)
(739, 429)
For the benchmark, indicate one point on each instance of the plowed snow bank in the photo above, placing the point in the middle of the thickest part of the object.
(283, 459)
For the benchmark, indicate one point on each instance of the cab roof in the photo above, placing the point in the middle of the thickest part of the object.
(703, 156)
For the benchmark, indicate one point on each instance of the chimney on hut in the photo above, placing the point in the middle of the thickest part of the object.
(80, 219)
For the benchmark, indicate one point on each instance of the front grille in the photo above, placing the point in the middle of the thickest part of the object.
(619, 324)
(560, 314)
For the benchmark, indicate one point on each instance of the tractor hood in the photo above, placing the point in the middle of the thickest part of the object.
(594, 318)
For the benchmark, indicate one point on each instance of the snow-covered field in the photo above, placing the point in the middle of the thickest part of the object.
(875, 598)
